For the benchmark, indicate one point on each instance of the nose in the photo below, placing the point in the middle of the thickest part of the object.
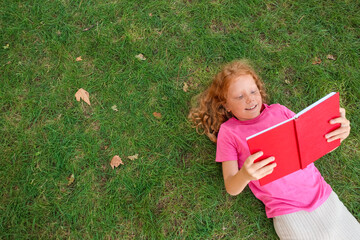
(248, 98)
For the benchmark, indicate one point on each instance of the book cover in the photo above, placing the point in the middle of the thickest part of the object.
(298, 141)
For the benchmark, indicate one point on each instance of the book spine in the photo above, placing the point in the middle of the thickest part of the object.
(297, 144)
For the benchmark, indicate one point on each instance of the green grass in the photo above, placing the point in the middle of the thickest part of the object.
(175, 189)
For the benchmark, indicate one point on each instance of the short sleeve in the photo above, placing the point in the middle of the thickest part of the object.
(287, 112)
(226, 147)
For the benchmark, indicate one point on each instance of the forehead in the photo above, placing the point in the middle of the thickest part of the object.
(241, 83)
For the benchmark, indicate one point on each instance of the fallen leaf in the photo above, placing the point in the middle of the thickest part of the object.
(157, 115)
(116, 161)
(134, 157)
(114, 108)
(88, 28)
(330, 57)
(316, 61)
(185, 87)
(78, 59)
(71, 179)
(6, 46)
(82, 94)
(140, 57)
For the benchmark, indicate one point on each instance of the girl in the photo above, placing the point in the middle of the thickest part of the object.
(302, 204)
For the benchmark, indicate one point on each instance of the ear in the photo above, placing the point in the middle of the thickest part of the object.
(226, 107)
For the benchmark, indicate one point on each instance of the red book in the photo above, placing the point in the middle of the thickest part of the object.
(298, 141)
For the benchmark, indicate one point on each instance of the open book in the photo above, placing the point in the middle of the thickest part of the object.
(298, 141)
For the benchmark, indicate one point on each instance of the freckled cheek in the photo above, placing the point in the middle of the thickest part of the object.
(259, 99)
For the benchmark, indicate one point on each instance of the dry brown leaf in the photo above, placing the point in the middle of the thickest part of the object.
(330, 57)
(71, 179)
(134, 157)
(88, 28)
(157, 115)
(114, 108)
(185, 87)
(82, 94)
(316, 61)
(116, 161)
(78, 59)
(140, 57)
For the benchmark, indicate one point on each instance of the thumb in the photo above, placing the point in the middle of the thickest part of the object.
(342, 112)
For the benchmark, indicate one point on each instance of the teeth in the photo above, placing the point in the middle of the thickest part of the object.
(251, 108)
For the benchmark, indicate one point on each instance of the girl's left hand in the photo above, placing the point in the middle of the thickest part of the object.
(343, 131)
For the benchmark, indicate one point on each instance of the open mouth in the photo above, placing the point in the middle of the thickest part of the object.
(251, 108)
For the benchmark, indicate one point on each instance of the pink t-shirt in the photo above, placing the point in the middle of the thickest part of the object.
(302, 190)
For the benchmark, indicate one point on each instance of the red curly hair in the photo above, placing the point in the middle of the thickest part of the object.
(210, 112)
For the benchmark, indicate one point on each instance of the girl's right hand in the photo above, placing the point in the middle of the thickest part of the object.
(255, 171)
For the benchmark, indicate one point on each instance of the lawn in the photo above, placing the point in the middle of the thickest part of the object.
(56, 181)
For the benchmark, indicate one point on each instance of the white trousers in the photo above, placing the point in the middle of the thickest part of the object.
(332, 220)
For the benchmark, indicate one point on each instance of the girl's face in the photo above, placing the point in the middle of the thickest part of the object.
(243, 98)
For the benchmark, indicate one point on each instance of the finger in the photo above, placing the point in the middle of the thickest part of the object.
(340, 136)
(254, 156)
(338, 131)
(264, 162)
(266, 170)
(343, 121)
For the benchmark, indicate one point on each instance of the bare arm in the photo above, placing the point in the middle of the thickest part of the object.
(236, 180)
